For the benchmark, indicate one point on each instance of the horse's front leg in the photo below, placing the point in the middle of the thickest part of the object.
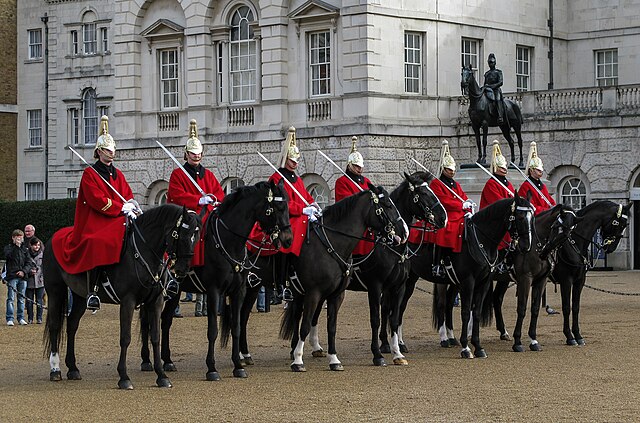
(476, 132)
(245, 314)
(374, 295)
(452, 293)
(565, 294)
(523, 287)
(237, 299)
(309, 304)
(575, 309)
(482, 308)
(153, 312)
(126, 316)
(536, 299)
(314, 339)
(166, 320)
(213, 298)
(145, 353)
(78, 308)
(333, 305)
(498, 299)
(466, 299)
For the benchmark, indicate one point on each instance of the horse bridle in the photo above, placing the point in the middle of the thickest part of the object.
(427, 212)
(553, 244)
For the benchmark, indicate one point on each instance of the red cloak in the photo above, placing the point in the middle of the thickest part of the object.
(536, 201)
(491, 193)
(345, 188)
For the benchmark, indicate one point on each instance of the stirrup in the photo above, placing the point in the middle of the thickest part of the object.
(287, 295)
(93, 302)
(438, 270)
(503, 268)
(172, 288)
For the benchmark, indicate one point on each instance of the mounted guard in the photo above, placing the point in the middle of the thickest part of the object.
(533, 186)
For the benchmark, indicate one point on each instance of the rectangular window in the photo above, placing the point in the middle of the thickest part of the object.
(72, 193)
(34, 191)
(103, 111)
(412, 62)
(104, 39)
(74, 116)
(34, 124)
(169, 78)
(75, 49)
(471, 54)
(89, 38)
(320, 63)
(219, 72)
(242, 56)
(607, 68)
(523, 68)
(35, 44)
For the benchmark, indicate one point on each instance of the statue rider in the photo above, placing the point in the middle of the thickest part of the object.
(492, 83)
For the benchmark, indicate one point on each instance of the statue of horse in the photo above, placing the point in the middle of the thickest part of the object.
(483, 114)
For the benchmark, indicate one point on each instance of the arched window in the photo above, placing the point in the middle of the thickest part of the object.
(229, 184)
(242, 56)
(573, 192)
(321, 193)
(89, 116)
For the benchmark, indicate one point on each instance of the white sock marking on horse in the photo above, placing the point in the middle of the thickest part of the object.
(297, 353)
(395, 348)
(400, 338)
(313, 339)
(470, 325)
(54, 362)
(333, 359)
(450, 334)
(443, 333)
(534, 342)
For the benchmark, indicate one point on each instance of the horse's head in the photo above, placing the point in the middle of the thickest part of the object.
(614, 226)
(466, 78)
(385, 218)
(562, 226)
(273, 215)
(520, 222)
(181, 239)
(421, 202)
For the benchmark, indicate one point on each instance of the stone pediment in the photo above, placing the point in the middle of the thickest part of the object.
(314, 9)
(163, 28)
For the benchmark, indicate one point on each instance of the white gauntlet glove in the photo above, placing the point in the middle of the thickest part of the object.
(129, 210)
(205, 201)
(469, 205)
(311, 212)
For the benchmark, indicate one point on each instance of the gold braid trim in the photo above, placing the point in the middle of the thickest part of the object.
(109, 204)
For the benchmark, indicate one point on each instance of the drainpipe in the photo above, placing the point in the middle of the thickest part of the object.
(550, 54)
(45, 21)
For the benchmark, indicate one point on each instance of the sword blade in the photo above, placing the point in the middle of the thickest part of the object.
(534, 187)
(285, 179)
(434, 177)
(200, 190)
(97, 173)
(495, 179)
(340, 169)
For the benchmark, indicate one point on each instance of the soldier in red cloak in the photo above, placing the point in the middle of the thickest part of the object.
(97, 234)
(345, 187)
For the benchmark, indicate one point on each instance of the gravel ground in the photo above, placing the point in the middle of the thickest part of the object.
(597, 382)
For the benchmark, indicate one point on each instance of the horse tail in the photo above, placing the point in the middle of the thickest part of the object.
(487, 307)
(225, 324)
(289, 320)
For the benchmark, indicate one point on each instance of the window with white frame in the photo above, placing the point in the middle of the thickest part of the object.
(242, 56)
(35, 44)
(229, 184)
(74, 130)
(89, 41)
(606, 67)
(523, 68)
(104, 39)
(320, 63)
(89, 116)
(75, 47)
(320, 193)
(34, 124)
(169, 78)
(470, 50)
(573, 193)
(34, 191)
(220, 85)
(72, 193)
(413, 62)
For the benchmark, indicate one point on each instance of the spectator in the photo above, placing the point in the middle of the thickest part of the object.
(29, 232)
(18, 267)
(201, 305)
(35, 281)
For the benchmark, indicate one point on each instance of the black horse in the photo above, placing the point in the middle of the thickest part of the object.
(135, 280)
(483, 115)
(324, 265)
(573, 258)
(226, 263)
(469, 270)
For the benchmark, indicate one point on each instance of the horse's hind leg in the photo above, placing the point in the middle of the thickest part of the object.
(536, 298)
(498, 298)
(145, 353)
(73, 321)
(438, 312)
(126, 316)
(452, 293)
(213, 297)
(333, 305)
(506, 132)
(245, 314)
(314, 339)
(517, 129)
(57, 308)
(153, 312)
(166, 320)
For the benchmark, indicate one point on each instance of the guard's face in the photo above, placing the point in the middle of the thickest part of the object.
(449, 173)
(106, 156)
(501, 171)
(536, 173)
(290, 165)
(356, 169)
(194, 159)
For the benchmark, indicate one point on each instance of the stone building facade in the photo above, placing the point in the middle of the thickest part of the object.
(387, 71)
(8, 100)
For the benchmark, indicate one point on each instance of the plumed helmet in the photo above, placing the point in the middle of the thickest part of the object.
(497, 159)
(446, 159)
(193, 143)
(105, 140)
(354, 156)
(289, 148)
(534, 162)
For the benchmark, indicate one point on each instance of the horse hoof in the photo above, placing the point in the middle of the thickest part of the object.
(164, 382)
(572, 342)
(481, 353)
(385, 349)
(400, 362)
(241, 373)
(125, 384)
(248, 361)
(55, 376)
(505, 337)
(403, 349)
(380, 362)
(336, 367)
(213, 376)
(319, 353)
(581, 342)
(74, 375)
(169, 367)
(298, 368)
(445, 344)
(146, 367)
(466, 354)
(535, 347)
(517, 348)
(520, 163)
(453, 342)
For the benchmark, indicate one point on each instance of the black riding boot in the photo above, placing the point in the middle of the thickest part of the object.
(283, 277)
(93, 302)
(438, 268)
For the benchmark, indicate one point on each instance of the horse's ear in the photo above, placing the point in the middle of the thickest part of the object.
(529, 195)
(627, 207)
(371, 187)
(406, 176)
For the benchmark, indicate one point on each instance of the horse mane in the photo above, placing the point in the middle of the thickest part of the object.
(420, 175)
(596, 204)
(491, 211)
(557, 207)
(156, 215)
(238, 194)
(340, 209)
